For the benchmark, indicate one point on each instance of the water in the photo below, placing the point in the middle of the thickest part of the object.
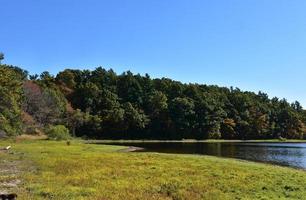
(285, 154)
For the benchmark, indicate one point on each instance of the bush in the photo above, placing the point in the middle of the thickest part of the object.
(58, 132)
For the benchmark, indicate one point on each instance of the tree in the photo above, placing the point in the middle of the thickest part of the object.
(75, 119)
(157, 109)
(91, 128)
(66, 77)
(228, 129)
(105, 79)
(297, 106)
(129, 89)
(215, 118)
(86, 97)
(46, 79)
(46, 105)
(111, 112)
(33, 77)
(53, 107)
(158, 103)
(10, 101)
(290, 126)
(182, 114)
(134, 119)
(1, 57)
(101, 104)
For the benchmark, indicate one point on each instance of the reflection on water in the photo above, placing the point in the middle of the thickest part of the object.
(287, 154)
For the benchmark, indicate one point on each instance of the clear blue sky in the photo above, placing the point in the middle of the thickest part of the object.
(252, 44)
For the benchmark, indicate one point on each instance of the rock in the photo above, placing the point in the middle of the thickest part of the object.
(2, 134)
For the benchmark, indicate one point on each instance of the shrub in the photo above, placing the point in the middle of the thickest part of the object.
(58, 132)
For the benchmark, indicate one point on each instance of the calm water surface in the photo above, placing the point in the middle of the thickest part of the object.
(286, 154)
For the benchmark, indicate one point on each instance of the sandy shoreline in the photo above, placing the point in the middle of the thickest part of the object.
(131, 149)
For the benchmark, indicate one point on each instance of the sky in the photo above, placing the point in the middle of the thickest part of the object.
(251, 44)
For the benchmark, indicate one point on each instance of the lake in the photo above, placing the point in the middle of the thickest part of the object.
(285, 154)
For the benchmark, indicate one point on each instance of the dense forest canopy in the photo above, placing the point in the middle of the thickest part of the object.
(101, 104)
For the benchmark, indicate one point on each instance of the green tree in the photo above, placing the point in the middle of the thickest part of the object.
(111, 112)
(228, 129)
(66, 77)
(86, 97)
(182, 114)
(129, 89)
(105, 105)
(10, 101)
(158, 103)
(75, 119)
(1, 57)
(134, 118)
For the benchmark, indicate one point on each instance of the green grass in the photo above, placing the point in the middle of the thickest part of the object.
(53, 170)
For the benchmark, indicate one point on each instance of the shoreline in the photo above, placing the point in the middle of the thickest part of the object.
(103, 167)
(193, 141)
(130, 149)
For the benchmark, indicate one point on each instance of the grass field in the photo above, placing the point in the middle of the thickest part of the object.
(54, 170)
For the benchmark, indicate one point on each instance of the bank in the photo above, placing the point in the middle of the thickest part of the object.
(55, 170)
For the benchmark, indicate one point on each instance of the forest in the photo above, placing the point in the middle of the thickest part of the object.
(101, 104)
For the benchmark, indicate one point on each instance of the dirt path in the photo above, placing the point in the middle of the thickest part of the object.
(9, 172)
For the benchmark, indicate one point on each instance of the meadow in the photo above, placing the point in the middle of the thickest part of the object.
(42, 169)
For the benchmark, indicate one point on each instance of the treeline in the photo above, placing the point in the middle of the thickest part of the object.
(101, 104)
